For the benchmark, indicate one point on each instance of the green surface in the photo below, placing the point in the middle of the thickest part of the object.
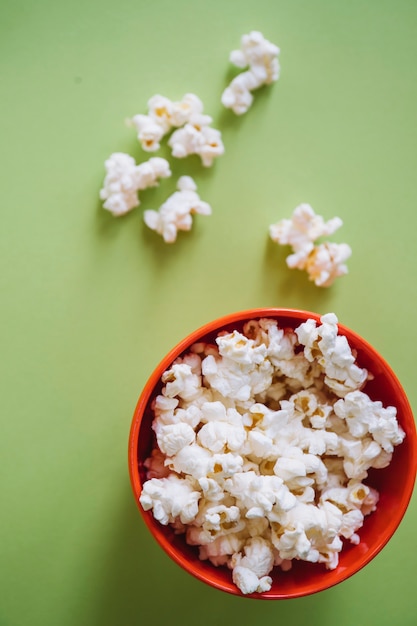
(90, 303)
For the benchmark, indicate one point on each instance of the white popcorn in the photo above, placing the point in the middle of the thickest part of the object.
(181, 381)
(170, 498)
(220, 550)
(150, 171)
(197, 137)
(193, 461)
(149, 131)
(333, 353)
(259, 494)
(260, 56)
(217, 436)
(365, 416)
(302, 230)
(176, 212)
(323, 262)
(250, 571)
(194, 135)
(163, 115)
(263, 443)
(124, 179)
(173, 437)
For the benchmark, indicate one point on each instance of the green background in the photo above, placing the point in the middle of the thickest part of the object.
(91, 303)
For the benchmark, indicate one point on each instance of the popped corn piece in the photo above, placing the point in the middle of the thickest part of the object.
(303, 229)
(240, 349)
(261, 446)
(364, 416)
(120, 188)
(170, 498)
(163, 115)
(219, 519)
(176, 212)
(333, 353)
(150, 171)
(350, 501)
(193, 461)
(323, 262)
(258, 494)
(219, 550)
(248, 582)
(258, 556)
(211, 489)
(149, 131)
(173, 437)
(182, 382)
(218, 436)
(327, 262)
(161, 110)
(197, 137)
(124, 179)
(309, 534)
(191, 415)
(250, 570)
(260, 56)
(226, 464)
(240, 370)
(186, 109)
(358, 455)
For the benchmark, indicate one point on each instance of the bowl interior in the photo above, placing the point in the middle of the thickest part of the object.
(304, 578)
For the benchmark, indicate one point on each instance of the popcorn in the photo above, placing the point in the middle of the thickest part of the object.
(176, 212)
(250, 571)
(261, 57)
(163, 115)
(323, 262)
(173, 437)
(263, 443)
(194, 135)
(365, 416)
(170, 498)
(332, 351)
(197, 137)
(149, 131)
(124, 179)
(326, 262)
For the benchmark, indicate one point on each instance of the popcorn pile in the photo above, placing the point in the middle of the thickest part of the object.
(323, 262)
(261, 58)
(263, 443)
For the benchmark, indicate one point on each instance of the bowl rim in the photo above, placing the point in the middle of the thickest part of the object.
(154, 378)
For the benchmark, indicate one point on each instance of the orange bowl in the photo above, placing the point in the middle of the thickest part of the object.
(395, 483)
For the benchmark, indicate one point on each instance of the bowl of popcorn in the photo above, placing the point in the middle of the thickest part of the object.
(273, 453)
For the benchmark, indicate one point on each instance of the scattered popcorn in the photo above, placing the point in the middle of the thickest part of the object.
(323, 262)
(260, 56)
(176, 212)
(124, 179)
(258, 479)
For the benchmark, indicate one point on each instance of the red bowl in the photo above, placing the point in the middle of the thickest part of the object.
(394, 483)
